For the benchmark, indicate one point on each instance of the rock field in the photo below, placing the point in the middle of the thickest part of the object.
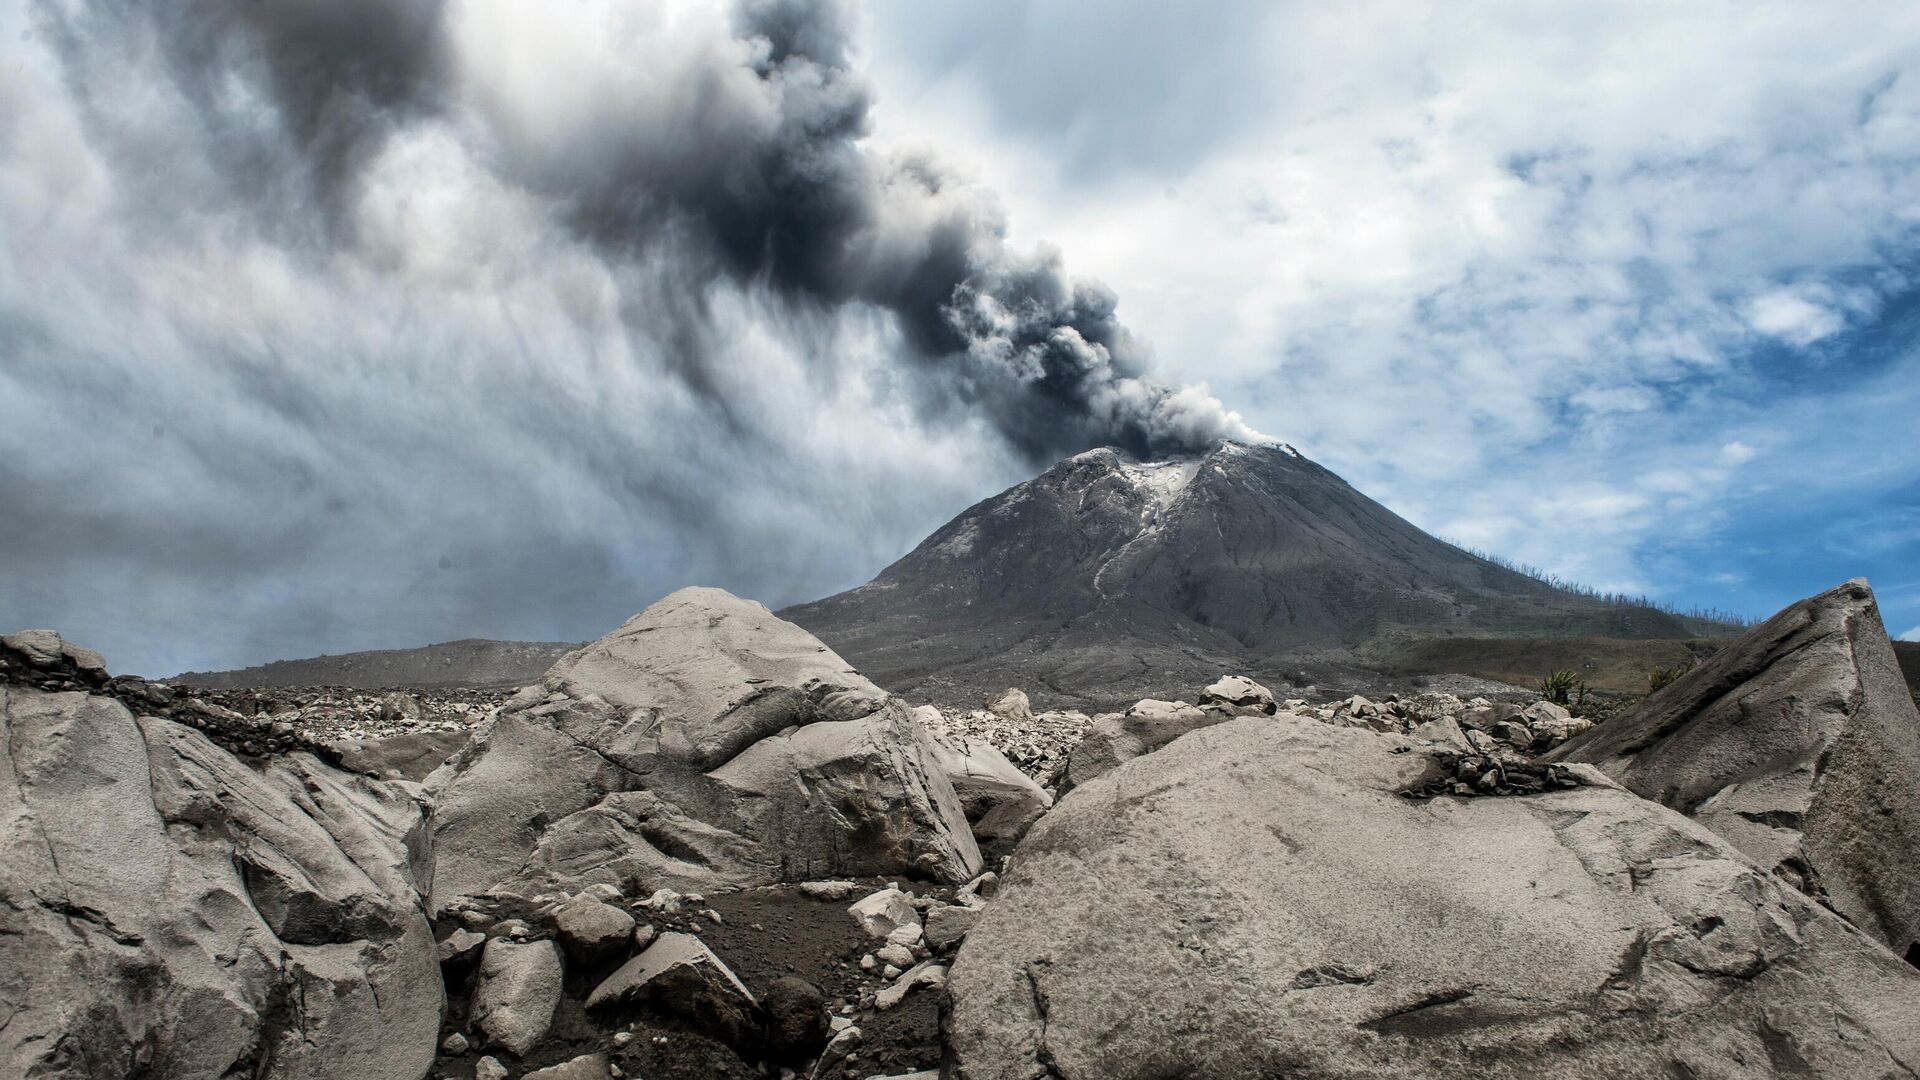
(705, 846)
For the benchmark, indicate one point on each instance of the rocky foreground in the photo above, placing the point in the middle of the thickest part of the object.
(704, 846)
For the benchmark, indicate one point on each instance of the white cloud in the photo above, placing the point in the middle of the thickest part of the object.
(1912, 634)
(1474, 263)
(1792, 317)
(1498, 267)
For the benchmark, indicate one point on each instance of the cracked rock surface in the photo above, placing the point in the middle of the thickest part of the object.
(1800, 744)
(1258, 899)
(168, 910)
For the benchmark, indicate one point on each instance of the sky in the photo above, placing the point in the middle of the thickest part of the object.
(342, 324)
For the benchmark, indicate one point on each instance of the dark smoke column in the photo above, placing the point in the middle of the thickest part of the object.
(799, 205)
(747, 164)
(1044, 356)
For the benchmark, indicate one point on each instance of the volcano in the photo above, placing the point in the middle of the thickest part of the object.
(1108, 576)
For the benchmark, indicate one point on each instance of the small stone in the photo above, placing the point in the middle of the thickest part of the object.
(1011, 704)
(584, 1067)
(895, 956)
(828, 890)
(926, 973)
(592, 930)
(841, 1047)
(513, 928)
(664, 901)
(460, 948)
(1556, 732)
(488, 1068)
(622, 1038)
(455, 1044)
(978, 889)
(947, 924)
(1545, 710)
(1513, 733)
(883, 912)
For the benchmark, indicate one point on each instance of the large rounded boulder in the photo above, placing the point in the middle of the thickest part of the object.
(1262, 898)
(705, 744)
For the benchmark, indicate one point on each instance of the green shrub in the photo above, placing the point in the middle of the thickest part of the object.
(1559, 687)
(1660, 678)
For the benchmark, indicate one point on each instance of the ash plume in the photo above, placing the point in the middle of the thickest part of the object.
(745, 162)
(337, 324)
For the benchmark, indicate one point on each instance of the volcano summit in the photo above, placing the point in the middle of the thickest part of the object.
(1108, 575)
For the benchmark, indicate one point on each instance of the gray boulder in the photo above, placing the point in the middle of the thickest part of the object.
(47, 649)
(1260, 899)
(680, 976)
(709, 674)
(703, 745)
(516, 992)
(796, 1019)
(400, 708)
(1239, 696)
(1000, 802)
(458, 953)
(413, 756)
(852, 798)
(1011, 704)
(591, 930)
(166, 910)
(1484, 717)
(947, 924)
(1142, 729)
(1800, 744)
(883, 912)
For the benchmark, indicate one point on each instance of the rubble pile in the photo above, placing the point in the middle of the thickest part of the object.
(1037, 743)
(42, 660)
(596, 983)
(342, 712)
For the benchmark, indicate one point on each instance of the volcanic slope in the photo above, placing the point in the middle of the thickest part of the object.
(1106, 577)
(472, 662)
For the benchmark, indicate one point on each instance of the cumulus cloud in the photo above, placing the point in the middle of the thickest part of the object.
(1912, 634)
(1793, 317)
(1480, 261)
